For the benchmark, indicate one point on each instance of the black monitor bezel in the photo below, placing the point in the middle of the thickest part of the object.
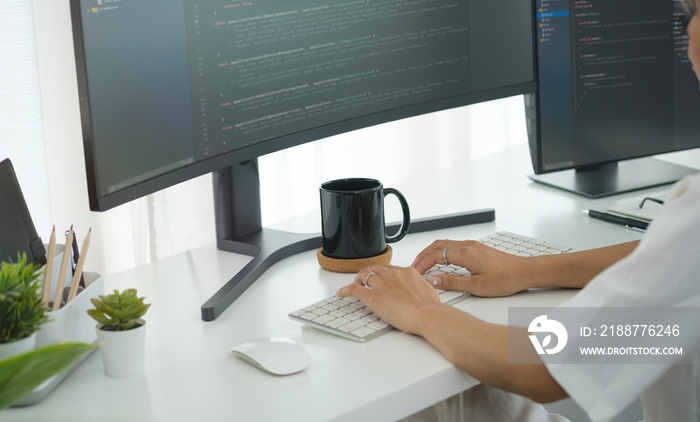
(104, 202)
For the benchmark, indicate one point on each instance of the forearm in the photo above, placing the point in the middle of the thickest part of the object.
(574, 269)
(481, 349)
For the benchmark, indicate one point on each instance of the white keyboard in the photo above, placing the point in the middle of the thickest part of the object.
(350, 318)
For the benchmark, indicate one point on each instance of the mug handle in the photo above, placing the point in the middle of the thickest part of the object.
(406, 216)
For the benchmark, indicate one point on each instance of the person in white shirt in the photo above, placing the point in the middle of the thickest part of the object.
(662, 270)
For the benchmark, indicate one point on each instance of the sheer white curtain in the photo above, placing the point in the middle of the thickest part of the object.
(40, 131)
(21, 122)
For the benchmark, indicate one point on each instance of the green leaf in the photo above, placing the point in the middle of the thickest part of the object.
(21, 374)
(99, 317)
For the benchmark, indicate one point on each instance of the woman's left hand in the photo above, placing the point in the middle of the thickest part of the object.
(395, 294)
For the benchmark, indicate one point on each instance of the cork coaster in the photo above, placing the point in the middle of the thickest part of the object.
(352, 265)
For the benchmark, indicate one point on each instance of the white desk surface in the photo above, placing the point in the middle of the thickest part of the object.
(192, 375)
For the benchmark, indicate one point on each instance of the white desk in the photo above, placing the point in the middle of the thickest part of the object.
(192, 375)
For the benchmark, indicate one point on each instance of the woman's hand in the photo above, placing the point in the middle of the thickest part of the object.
(395, 294)
(493, 272)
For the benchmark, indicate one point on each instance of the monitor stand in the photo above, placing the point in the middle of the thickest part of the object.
(239, 230)
(614, 178)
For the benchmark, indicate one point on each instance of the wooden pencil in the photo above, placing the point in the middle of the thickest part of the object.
(79, 268)
(58, 296)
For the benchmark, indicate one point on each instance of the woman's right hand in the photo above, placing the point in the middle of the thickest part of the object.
(493, 272)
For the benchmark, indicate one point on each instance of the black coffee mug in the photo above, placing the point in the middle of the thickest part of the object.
(352, 218)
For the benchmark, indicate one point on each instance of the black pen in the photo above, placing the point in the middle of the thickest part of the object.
(616, 219)
(76, 256)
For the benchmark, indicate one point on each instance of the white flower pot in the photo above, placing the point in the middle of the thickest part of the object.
(7, 350)
(123, 352)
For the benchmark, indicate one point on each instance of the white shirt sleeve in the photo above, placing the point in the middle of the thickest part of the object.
(663, 271)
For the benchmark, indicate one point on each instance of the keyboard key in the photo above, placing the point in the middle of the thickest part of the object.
(449, 295)
(371, 318)
(555, 246)
(362, 311)
(363, 332)
(298, 313)
(308, 316)
(324, 319)
(551, 251)
(337, 322)
(353, 325)
(353, 316)
(378, 325)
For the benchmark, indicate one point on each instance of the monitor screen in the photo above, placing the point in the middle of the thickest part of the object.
(614, 83)
(173, 89)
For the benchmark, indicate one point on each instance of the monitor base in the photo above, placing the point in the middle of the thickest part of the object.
(267, 247)
(615, 178)
(270, 246)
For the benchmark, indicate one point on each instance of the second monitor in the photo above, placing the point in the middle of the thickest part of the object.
(614, 84)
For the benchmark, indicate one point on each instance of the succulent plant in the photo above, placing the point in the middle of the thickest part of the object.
(22, 311)
(118, 311)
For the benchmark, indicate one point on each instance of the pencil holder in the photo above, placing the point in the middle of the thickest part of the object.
(71, 322)
(68, 324)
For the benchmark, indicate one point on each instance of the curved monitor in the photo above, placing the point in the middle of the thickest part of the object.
(614, 84)
(170, 90)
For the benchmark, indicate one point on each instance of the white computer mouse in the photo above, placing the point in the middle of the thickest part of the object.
(276, 355)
